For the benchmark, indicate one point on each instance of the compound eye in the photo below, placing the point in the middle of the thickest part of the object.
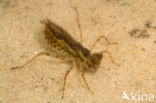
(89, 65)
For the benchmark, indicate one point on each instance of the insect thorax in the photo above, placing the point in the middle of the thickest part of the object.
(88, 61)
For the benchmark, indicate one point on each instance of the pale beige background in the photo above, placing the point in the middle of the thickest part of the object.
(21, 37)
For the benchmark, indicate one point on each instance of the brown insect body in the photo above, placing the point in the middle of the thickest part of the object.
(64, 46)
(61, 41)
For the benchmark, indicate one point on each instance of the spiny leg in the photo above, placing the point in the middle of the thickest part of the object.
(83, 77)
(65, 79)
(31, 60)
(78, 23)
(112, 60)
(102, 37)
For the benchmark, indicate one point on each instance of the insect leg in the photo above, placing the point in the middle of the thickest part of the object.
(102, 37)
(78, 23)
(112, 60)
(31, 60)
(83, 77)
(65, 79)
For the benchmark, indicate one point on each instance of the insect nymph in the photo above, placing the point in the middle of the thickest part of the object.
(62, 41)
(70, 51)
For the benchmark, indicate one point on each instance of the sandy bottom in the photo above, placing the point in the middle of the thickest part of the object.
(131, 23)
